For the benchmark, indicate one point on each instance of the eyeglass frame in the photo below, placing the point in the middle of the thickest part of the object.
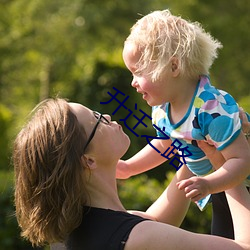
(100, 118)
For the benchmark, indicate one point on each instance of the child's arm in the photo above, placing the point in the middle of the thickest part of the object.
(233, 172)
(144, 160)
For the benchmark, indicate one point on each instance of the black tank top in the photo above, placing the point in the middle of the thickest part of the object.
(102, 229)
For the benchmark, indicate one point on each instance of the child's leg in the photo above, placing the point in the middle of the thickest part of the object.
(222, 224)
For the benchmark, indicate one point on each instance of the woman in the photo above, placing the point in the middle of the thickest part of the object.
(65, 188)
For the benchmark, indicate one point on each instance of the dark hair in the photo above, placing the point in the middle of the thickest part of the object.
(49, 182)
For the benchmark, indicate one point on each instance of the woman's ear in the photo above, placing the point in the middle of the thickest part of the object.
(89, 161)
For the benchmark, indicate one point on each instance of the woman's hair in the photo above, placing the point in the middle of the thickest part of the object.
(49, 182)
(160, 36)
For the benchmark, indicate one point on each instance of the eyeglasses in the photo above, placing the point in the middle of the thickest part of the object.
(100, 118)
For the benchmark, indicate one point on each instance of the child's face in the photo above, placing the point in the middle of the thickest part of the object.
(152, 92)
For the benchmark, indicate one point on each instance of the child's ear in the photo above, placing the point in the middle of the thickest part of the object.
(175, 66)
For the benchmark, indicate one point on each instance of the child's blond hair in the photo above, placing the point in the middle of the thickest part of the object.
(160, 36)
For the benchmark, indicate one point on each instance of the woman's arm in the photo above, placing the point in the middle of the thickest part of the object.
(239, 203)
(160, 236)
(214, 156)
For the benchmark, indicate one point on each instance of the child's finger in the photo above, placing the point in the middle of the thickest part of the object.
(193, 194)
(184, 183)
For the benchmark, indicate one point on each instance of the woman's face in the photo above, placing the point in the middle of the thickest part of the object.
(109, 140)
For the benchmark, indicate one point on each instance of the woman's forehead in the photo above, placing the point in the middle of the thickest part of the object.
(78, 108)
(84, 115)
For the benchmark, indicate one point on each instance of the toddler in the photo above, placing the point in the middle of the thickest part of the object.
(170, 59)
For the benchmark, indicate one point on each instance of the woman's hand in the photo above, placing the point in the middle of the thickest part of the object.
(245, 124)
(214, 156)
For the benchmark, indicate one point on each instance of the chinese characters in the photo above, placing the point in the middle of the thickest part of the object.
(170, 152)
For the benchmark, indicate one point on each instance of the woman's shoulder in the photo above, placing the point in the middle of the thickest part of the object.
(110, 227)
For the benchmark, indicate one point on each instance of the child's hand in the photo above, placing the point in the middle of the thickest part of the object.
(194, 187)
(122, 170)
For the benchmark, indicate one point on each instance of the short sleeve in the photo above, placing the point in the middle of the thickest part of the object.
(218, 118)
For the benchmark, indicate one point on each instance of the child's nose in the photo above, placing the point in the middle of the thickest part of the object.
(134, 83)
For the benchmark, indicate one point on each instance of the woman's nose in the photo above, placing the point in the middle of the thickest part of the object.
(108, 117)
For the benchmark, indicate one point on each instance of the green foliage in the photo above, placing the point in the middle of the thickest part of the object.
(244, 102)
(5, 124)
(139, 192)
(228, 22)
(74, 48)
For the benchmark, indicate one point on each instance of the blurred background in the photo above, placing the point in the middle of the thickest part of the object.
(72, 49)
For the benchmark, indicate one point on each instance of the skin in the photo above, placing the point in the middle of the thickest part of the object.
(245, 122)
(167, 89)
(102, 157)
(178, 91)
(210, 151)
